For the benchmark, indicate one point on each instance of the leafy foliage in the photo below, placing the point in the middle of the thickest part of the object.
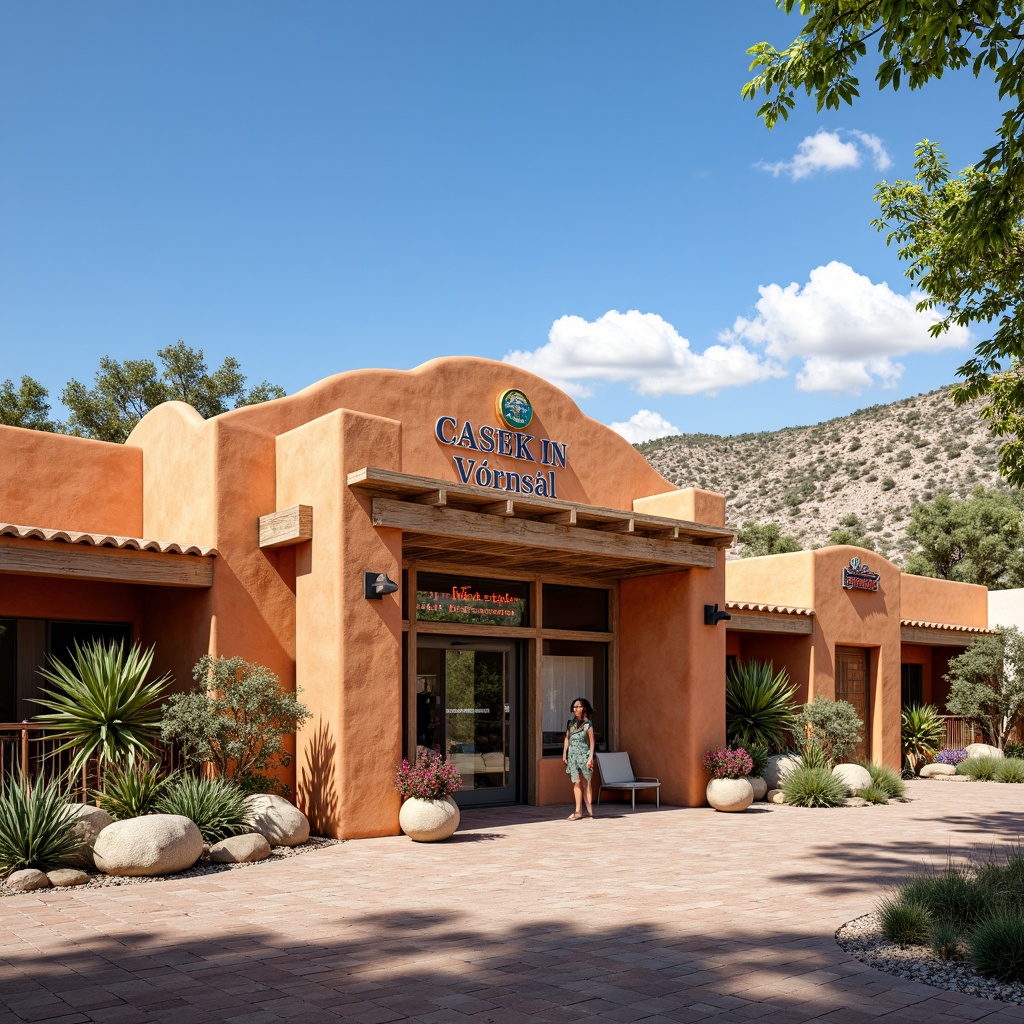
(758, 705)
(431, 778)
(831, 724)
(237, 718)
(102, 704)
(922, 731)
(25, 407)
(987, 684)
(759, 758)
(852, 531)
(764, 539)
(1011, 749)
(727, 763)
(131, 790)
(981, 768)
(37, 826)
(215, 805)
(813, 786)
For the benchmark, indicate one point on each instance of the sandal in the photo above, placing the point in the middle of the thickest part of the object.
(574, 817)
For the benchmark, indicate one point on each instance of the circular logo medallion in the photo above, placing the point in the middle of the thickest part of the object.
(514, 408)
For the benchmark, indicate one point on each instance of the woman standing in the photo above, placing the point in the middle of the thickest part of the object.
(578, 754)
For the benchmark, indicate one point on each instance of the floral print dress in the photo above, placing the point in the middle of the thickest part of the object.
(579, 751)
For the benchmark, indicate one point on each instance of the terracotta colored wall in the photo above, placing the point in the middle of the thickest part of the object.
(920, 654)
(71, 600)
(953, 604)
(785, 580)
(792, 653)
(69, 483)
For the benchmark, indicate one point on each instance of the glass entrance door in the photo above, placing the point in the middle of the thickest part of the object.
(466, 710)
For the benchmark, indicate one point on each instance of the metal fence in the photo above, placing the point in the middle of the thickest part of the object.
(960, 732)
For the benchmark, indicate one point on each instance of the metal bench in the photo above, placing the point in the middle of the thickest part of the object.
(617, 773)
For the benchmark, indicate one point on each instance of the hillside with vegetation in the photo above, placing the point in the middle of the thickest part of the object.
(862, 473)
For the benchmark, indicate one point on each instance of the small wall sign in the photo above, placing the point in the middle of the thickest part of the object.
(857, 576)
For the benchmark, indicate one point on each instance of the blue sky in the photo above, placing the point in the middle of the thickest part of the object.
(574, 185)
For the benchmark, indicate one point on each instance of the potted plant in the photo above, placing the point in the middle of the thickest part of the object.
(428, 811)
(729, 788)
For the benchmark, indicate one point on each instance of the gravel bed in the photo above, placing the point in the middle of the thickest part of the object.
(862, 938)
(202, 867)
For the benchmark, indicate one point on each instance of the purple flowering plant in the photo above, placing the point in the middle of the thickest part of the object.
(726, 763)
(947, 756)
(431, 778)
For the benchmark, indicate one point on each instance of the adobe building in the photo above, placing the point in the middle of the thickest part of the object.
(847, 624)
(439, 559)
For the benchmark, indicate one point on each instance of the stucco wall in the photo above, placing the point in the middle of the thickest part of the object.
(944, 601)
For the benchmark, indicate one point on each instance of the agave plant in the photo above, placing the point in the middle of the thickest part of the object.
(102, 704)
(924, 732)
(215, 805)
(758, 705)
(37, 826)
(131, 790)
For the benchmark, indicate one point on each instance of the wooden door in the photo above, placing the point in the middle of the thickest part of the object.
(852, 686)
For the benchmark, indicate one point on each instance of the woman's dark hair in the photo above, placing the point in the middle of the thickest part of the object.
(588, 711)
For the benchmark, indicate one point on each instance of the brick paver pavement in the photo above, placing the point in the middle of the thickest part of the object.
(658, 916)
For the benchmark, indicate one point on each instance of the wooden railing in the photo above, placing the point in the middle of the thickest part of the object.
(30, 750)
(960, 731)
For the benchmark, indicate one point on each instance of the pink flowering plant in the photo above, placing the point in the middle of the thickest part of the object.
(726, 763)
(431, 778)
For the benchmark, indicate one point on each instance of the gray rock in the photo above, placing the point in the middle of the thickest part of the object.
(27, 879)
(855, 777)
(779, 766)
(933, 771)
(280, 822)
(775, 796)
(92, 820)
(983, 750)
(155, 844)
(759, 786)
(240, 849)
(67, 877)
(855, 801)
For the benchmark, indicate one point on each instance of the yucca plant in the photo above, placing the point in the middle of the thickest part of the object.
(759, 705)
(131, 790)
(215, 805)
(37, 826)
(102, 704)
(924, 732)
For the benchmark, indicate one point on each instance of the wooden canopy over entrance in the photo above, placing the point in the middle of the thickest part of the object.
(939, 635)
(454, 523)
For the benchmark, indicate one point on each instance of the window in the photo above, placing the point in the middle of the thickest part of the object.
(441, 598)
(579, 608)
(572, 669)
(911, 685)
(8, 670)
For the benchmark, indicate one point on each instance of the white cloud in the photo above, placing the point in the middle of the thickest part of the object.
(827, 151)
(846, 329)
(645, 425)
(640, 348)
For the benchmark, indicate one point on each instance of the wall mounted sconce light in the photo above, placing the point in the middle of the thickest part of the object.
(377, 584)
(712, 616)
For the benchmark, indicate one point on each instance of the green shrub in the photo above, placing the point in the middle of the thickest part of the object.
(886, 779)
(1003, 882)
(997, 947)
(131, 790)
(982, 768)
(37, 826)
(1014, 749)
(215, 805)
(1010, 769)
(874, 795)
(813, 756)
(237, 719)
(759, 755)
(904, 921)
(952, 894)
(813, 786)
(759, 705)
(923, 732)
(947, 942)
(102, 704)
(832, 724)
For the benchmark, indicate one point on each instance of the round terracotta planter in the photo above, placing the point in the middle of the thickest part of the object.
(427, 821)
(730, 794)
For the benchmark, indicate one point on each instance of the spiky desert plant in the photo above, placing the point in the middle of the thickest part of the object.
(131, 790)
(874, 795)
(1010, 769)
(217, 806)
(101, 703)
(813, 786)
(37, 826)
(886, 779)
(759, 706)
(923, 731)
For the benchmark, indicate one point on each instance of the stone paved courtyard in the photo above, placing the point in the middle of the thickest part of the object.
(658, 916)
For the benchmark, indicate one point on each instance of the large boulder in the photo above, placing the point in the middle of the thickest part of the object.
(983, 750)
(155, 844)
(759, 786)
(27, 879)
(936, 770)
(280, 822)
(855, 777)
(92, 820)
(779, 766)
(240, 849)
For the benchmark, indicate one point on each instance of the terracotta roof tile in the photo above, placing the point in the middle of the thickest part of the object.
(102, 540)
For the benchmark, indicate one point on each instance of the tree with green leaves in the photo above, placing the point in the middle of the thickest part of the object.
(764, 539)
(25, 406)
(987, 684)
(979, 539)
(961, 236)
(852, 531)
(125, 391)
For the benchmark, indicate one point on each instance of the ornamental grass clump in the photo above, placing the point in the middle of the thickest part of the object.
(886, 779)
(215, 805)
(431, 778)
(727, 763)
(813, 786)
(873, 795)
(37, 826)
(997, 947)
(903, 921)
(1010, 769)
(131, 790)
(947, 942)
(982, 768)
